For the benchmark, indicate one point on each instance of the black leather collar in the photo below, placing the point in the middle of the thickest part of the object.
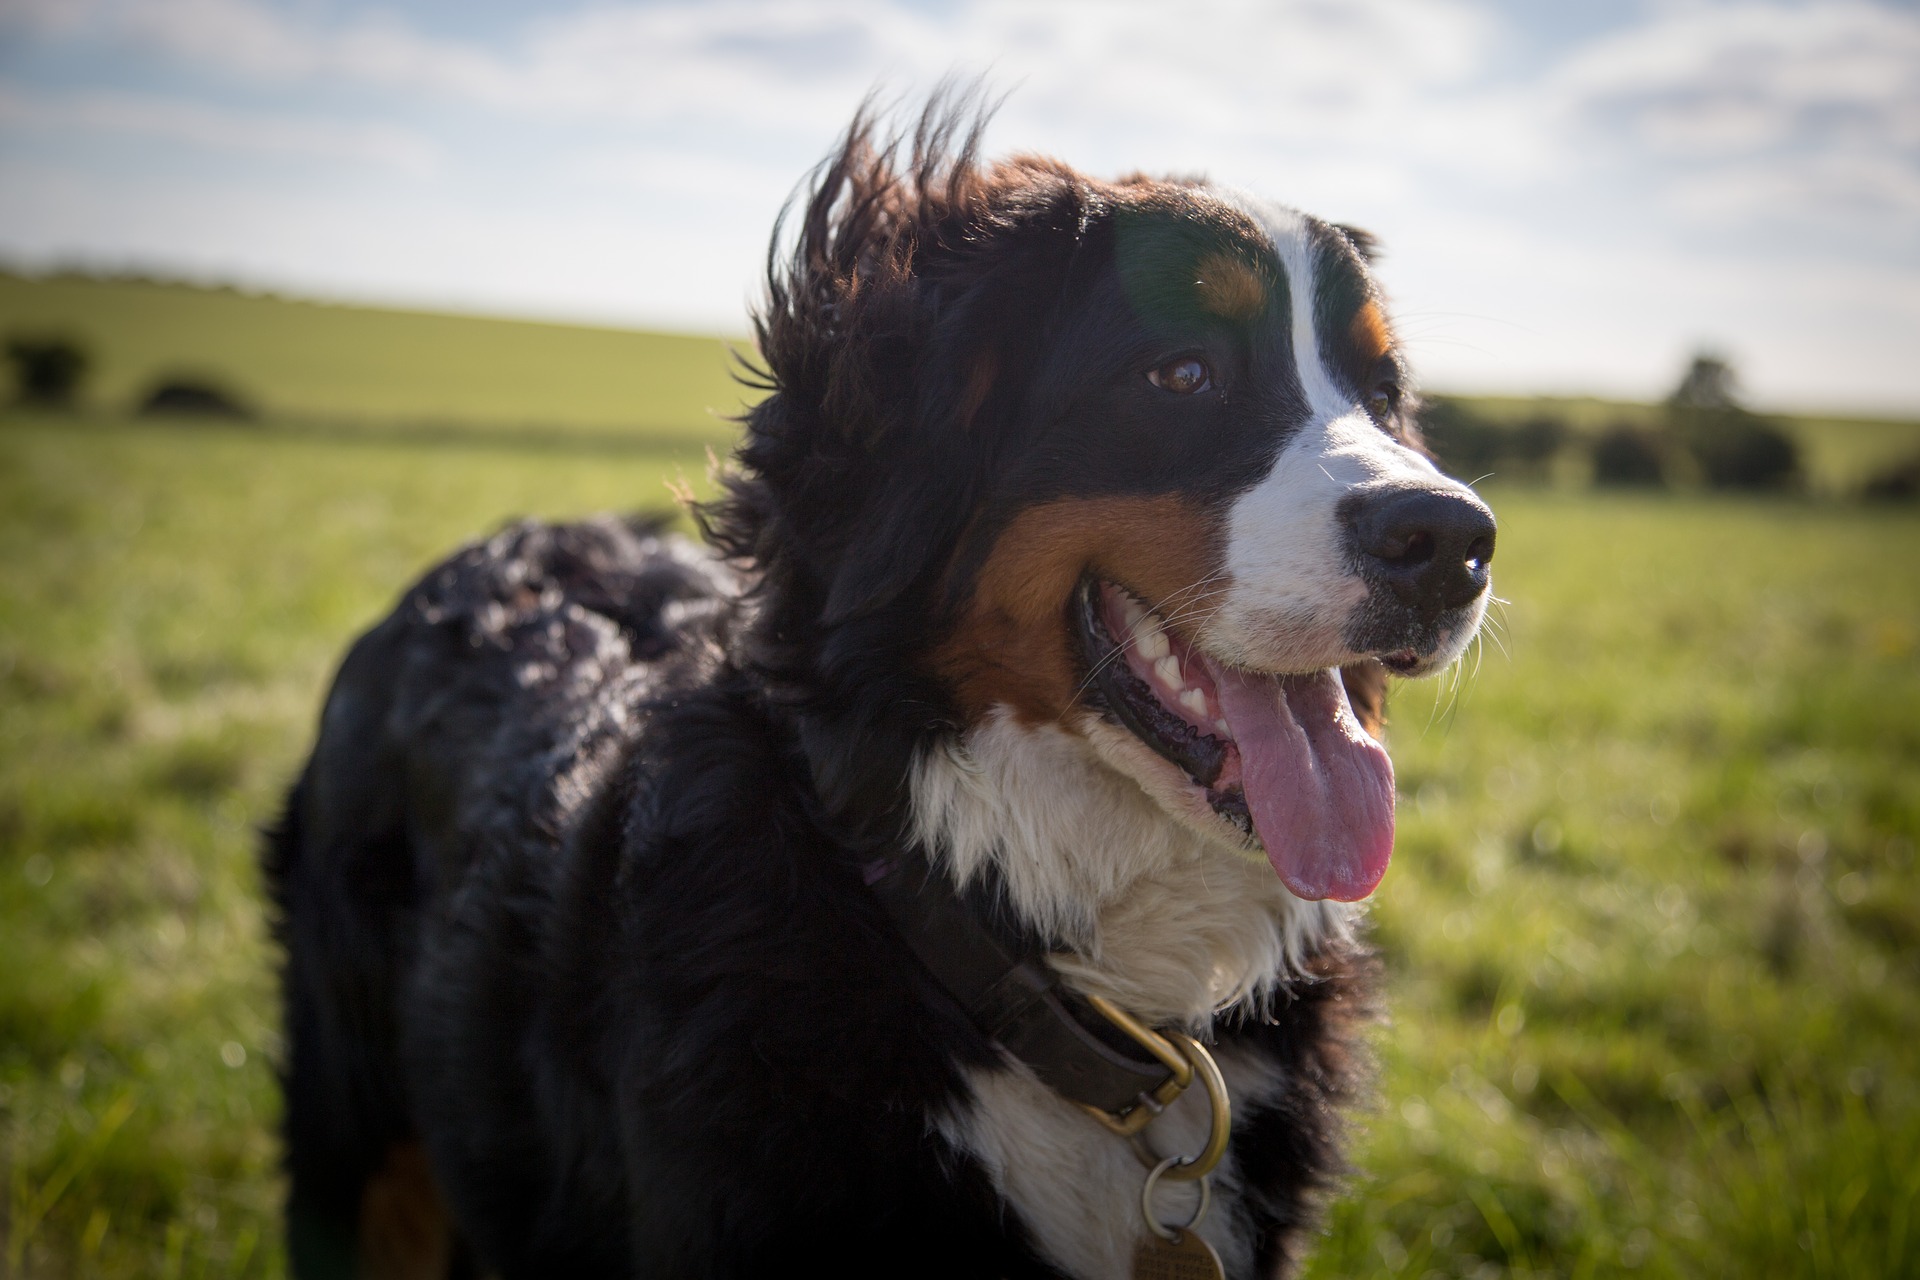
(1011, 994)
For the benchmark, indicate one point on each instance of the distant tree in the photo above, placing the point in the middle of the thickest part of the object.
(1709, 383)
(47, 370)
(193, 396)
(1897, 483)
(1463, 442)
(1739, 450)
(1626, 455)
(1536, 442)
(1735, 449)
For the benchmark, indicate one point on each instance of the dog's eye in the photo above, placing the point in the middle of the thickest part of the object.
(1183, 377)
(1384, 400)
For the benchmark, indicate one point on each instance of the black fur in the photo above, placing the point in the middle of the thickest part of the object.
(571, 885)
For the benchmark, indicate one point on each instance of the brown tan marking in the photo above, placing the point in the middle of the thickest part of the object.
(1230, 287)
(1015, 644)
(405, 1233)
(1369, 333)
(1367, 690)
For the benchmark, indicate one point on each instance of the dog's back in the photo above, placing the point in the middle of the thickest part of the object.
(568, 958)
(478, 716)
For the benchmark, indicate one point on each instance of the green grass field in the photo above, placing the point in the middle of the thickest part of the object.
(1652, 930)
(1653, 927)
(173, 600)
(362, 365)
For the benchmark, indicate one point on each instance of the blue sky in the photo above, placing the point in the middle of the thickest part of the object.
(1573, 196)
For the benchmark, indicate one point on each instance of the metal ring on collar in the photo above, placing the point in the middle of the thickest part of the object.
(1220, 1115)
(1165, 1168)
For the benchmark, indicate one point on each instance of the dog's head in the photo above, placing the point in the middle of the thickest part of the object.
(1133, 461)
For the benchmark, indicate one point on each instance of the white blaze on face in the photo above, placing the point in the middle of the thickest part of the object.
(1294, 588)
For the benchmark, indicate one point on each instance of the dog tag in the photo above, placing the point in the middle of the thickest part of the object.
(1185, 1257)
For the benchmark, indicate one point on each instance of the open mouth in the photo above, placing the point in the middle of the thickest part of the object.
(1401, 661)
(1278, 756)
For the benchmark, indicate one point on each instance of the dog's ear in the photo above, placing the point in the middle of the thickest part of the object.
(898, 545)
(919, 512)
(903, 317)
(983, 318)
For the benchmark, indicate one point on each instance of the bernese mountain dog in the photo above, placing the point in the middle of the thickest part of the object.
(949, 868)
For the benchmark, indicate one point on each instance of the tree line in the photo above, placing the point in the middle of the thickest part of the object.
(1700, 435)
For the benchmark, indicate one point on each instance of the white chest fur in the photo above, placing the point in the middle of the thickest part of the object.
(1160, 917)
(1077, 1186)
(1156, 915)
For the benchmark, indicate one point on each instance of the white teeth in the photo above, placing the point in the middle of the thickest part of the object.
(1221, 725)
(1195, 701)
(1168, 669)
(1142, 630)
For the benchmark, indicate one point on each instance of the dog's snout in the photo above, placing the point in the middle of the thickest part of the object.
(1429, 546)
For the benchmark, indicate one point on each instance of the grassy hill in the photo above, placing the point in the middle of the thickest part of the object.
(296, 359)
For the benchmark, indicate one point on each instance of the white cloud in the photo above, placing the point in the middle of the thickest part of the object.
(1747, 78)
(1235, 65)
(1339, 94)
(1747, 173)
(154, 117)
(1767, 112)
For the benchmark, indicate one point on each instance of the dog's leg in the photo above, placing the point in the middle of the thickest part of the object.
(326, 1154)
(342, 869)
(404, 1233)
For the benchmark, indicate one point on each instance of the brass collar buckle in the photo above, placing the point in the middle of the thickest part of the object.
(1185, 1058)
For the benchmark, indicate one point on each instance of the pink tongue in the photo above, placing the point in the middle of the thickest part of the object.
(1320, 790)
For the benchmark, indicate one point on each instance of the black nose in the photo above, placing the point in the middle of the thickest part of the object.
(1429, 546)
